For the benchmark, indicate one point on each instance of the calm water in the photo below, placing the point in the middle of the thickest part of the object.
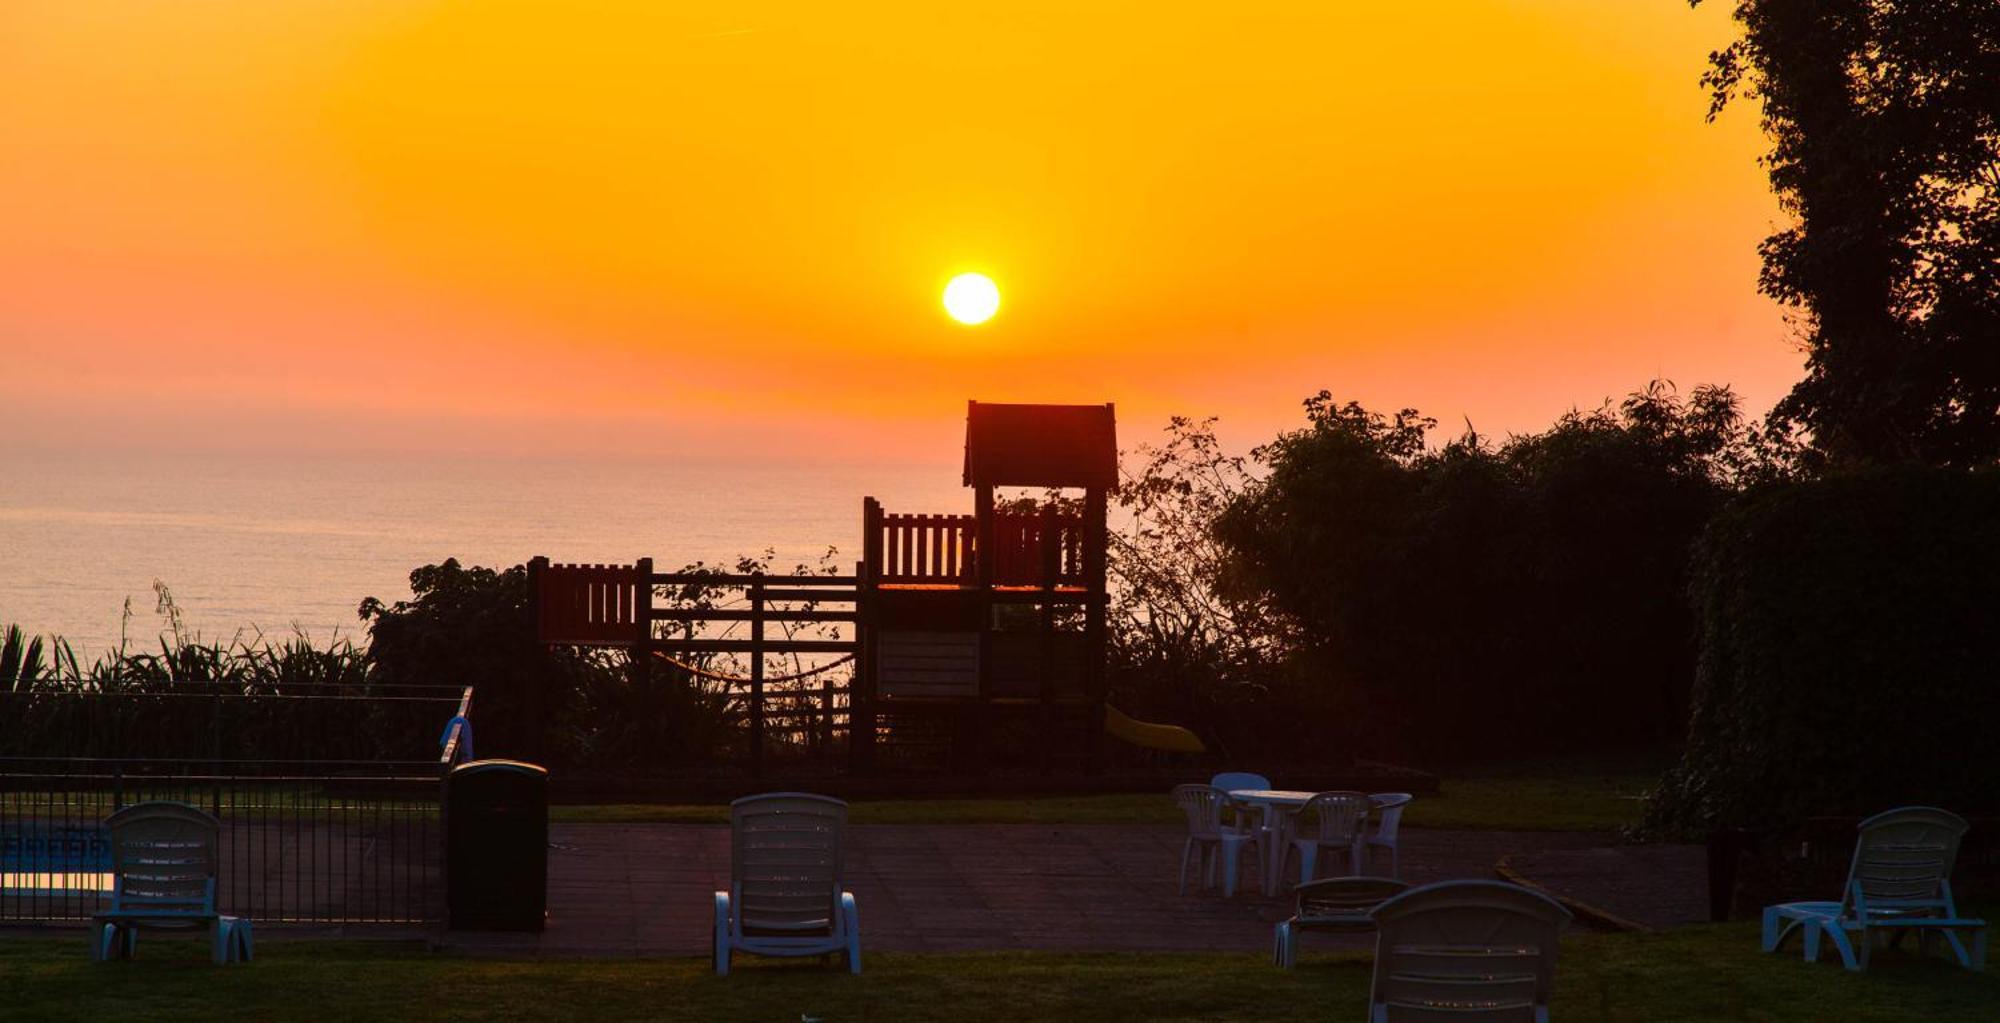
(260, 542)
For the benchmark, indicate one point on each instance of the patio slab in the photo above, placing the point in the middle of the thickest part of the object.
(646, 889)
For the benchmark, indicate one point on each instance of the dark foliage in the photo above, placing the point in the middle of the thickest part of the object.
(1180, 647)
(1483, 599)
(1884, 117)
(471, 626)
(1850, 629)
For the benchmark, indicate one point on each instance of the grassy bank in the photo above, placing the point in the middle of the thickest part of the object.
(1558, 796)
(1700, 973)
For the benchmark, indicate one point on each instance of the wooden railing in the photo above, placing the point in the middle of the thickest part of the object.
(592, 604)
(615, 605)
(925, 549)
(1043, 548)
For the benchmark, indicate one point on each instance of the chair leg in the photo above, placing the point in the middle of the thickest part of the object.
(1231, 864)
(246, 941)
(851, 915)
(1308, 861)
(719, 937)
(1845, 945)
(220, 953)
(1809, 939)
(1958, 950)
(1282, 952)
(1769, 938)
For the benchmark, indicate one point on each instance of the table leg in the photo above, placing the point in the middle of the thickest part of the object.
(1273, 847)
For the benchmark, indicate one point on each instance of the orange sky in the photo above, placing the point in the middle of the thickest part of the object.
(645, 228)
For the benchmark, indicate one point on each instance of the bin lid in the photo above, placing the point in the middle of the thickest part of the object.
(484, 766)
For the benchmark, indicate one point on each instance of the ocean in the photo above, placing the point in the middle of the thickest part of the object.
(252, 544)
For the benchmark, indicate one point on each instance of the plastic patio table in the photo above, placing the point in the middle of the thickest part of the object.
(1275, 803)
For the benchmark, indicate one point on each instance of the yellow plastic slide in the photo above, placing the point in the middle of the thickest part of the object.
(1171, 738)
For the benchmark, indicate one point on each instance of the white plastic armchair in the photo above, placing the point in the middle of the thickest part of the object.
(1273, 826)
(1332, 821)
(1388, 826)
(1213, 835)
(1899, 880)
(1465, 951)
(786, 892)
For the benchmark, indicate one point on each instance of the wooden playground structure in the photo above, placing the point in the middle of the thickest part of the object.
(981, 636)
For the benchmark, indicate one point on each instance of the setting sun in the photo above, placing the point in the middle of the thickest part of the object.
(971, 299)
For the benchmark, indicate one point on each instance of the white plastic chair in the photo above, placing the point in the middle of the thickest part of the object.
(1335, 821)
(1213, 835)
(786, 896)
(1899, 880)
(163, 858)
(1335, 905)
(1465, 951)
(1270, 823)
(1388, 824)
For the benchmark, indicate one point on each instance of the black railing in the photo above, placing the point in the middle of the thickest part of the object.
(323, 841)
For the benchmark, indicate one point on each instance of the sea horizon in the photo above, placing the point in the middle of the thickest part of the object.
(254, 544)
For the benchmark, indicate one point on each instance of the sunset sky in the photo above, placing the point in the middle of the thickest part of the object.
(647, 228)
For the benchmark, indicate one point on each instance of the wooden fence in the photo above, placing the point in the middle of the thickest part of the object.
(614, 605)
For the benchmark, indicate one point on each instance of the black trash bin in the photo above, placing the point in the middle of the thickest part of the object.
(497, 845)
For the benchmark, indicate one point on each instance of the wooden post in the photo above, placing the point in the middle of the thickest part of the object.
(986, 550)
(533, 748)
(861, 695)
(641, 668)
(1096, 551)
(1051, 551)
(757, 678)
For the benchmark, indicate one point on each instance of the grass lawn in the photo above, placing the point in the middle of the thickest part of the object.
(1696, 974)
(1559, 796)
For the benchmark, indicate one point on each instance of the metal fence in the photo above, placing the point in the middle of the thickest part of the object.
(321, 841)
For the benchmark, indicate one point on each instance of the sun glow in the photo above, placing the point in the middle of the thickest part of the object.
(971, 298)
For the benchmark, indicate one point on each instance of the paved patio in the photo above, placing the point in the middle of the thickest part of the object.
(645, 889)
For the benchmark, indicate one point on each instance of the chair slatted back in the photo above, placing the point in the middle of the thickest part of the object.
(163, 856)
(1344, 902)
(1205, 807)
(1903, 860)
(1335, 817)
(785, 861)
(1467, 951)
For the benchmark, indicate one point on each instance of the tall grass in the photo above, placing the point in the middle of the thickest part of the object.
(249, 663)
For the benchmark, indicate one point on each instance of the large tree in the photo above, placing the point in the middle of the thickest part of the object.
(1882, 116)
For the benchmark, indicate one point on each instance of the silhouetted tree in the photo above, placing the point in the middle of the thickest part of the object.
(1884, 118)
(1480, 598)
(1180, 644)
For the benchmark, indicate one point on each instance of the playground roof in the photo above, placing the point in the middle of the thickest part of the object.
(1040, 445)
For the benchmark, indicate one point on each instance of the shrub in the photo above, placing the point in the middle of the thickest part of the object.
(1481, 599)
(471, 626)
(1850, 644)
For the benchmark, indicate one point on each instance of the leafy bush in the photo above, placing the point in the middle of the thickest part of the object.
(472, 626)
(1849, 649)
(1480, 599)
